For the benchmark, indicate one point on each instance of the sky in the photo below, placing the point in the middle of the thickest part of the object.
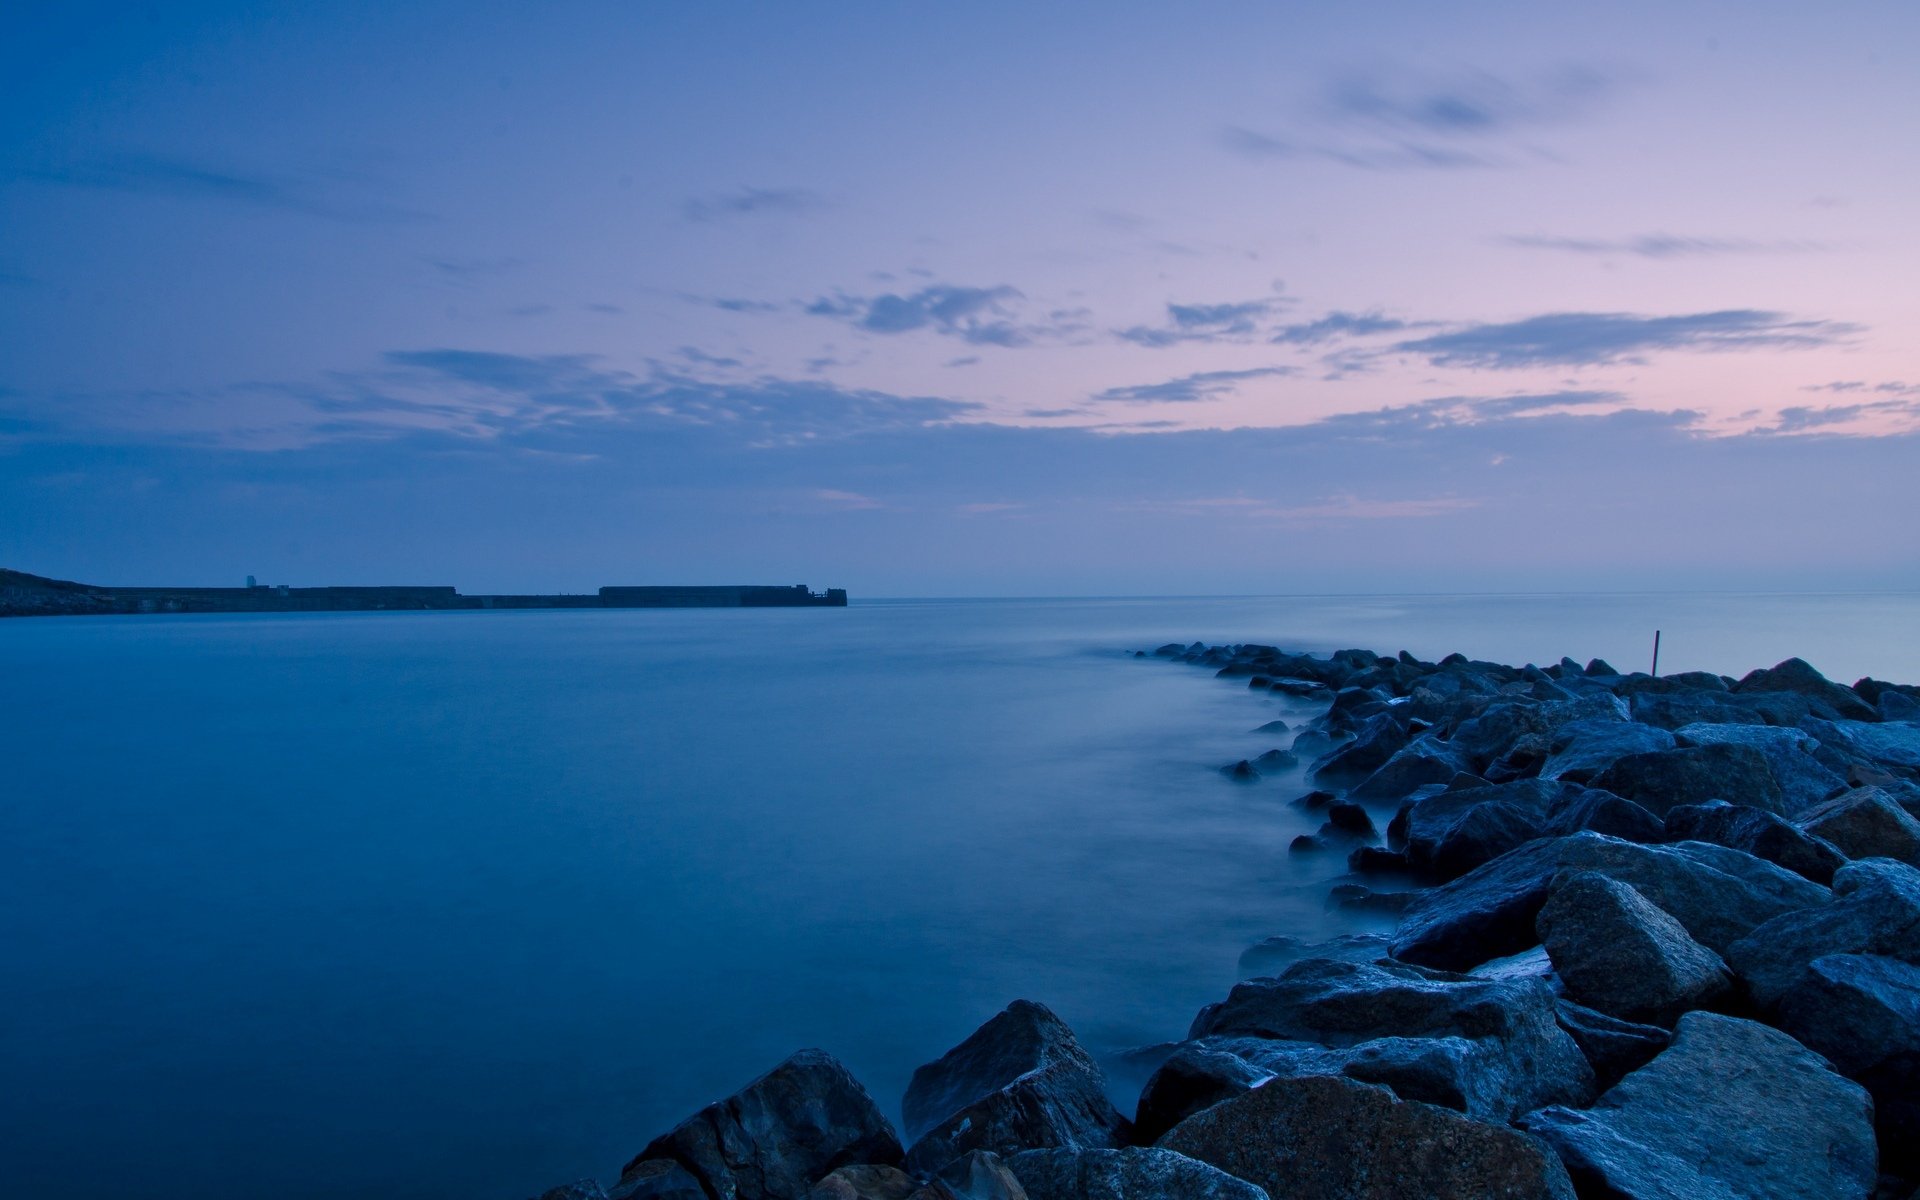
(983, 299)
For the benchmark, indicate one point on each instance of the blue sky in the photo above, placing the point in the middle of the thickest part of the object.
(983, 299)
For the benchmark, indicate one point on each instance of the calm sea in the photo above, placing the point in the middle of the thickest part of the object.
(468, 904)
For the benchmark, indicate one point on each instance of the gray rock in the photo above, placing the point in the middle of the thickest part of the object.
(1803, 781)
(1019, 1082)
(1797, 676)
(1583, 749)
(1857, 1009)
(1270, 956)
(1135, 1173)
(657, 1179)
(1619, 954)
(866, 1181)
(778, 1134)
(1325, 1138)
(1378, 739)
(1732, 1109)
(1759, 833)
(975, 1175)
(1875, 910)
(1613, 1046)
(1678, 710)
(1493, 733)
(1661, 779)
(1594, 811)
(1895, 746)
(1718, 895)
(1449, 834)
(1866, 823)
(1422, 761)
(1493, 1046)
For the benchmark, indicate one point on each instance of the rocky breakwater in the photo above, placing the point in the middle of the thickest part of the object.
(1656, 937)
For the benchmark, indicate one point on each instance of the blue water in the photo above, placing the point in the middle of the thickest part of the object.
(466, 904)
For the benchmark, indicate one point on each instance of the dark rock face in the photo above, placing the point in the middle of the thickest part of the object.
(773, 1138)
(1790, 754)
(1423, 761)
(1486, 1046)
(1377, 740)
(1595, 811)
(1718, 895)
(657, 1179)
(1732, 1109)
(1019, 1082)
(1866, 823)
(1240, 772)
(867, 1181)
(1759, 833)
(1675, 711)
(975, 1175)
(1135, 1173)
(1323, 1138)
(1623, 956)
(1797, 676)
(1273, 955)
(1493, 733)
(1857, 1009)
(1875, 910)
(1613, 1046)
(1583, 749)
(1661, 779)
(1894, 747)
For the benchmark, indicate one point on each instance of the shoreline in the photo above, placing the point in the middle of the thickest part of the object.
(1642, 922)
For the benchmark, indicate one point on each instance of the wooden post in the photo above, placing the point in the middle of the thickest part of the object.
(1656, 654)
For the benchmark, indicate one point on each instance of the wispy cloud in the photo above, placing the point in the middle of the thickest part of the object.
(753, 202)
(1226, 321)
(1592, 339)
(162, 175)
(1664, 245)
(1204, 385)
(1337, 325)
(981, 316)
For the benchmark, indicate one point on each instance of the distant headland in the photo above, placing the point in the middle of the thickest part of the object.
(23, 595)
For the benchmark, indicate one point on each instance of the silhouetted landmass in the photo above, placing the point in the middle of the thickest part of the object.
(23, 595)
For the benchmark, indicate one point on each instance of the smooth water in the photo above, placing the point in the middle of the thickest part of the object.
(468, 904)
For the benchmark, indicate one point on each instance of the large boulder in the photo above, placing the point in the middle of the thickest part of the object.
(1803, 781)
(1326, 1138)
(1718, 895)
(1875, 910)
(1486, 1046)
(662, 1179)
(975, 1175)
(1490, 735)
(1797, 676)
(1759, 833)
(1613, 1046)
(1424, 760)
(1623, 956)
(1449, 833)
(1731, 1109)
(1863, 1012)
(1661, 779)
(1378, 739)
(1894, 746)
(1270, 956)
(1019, 1082)
(1866, 823)
(1583, 749)
(775, 1137)
(1135, 1173)
(1672, 710)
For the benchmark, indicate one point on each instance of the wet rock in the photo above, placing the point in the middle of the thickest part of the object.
(1493, 1046)
(1594, 811)
(1325, 1138)
(1377, 740)
(1314, 800)
(1796, 675)
(1803, 781)
(1423, 761)
(1857, 1009)
(1272, 727)
(1731, 1109)
(975, 1175)
(1313, 744)
(1134, 1173)
(1619, 954)
(1353, 897)
(1350, 820)
(1614, 1047)
(1449, 834)
(1875, 910)
(1866, 823)
(657, 1179)
(1718, 895)
(777, 1135)
(1895, 747)
(1021, 1081)
(1583, 749)
(867, 1181)
(1662, 779)
(1374, 860)
(1759, 833)
(1275, 954)
(1493, 733)
(1240, 772)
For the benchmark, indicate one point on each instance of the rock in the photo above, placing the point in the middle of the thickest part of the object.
(1240, 772)
(778, 1134)
(1623, 956)
(1595, 811)
(1373, 860)
(1349, 820)
(1583, 749)
(1759, 833)
(1135, 1173)
(1803, 781)
(1875, 910)
(1275, 954)
(579, 1189)
(1857, 1009)
(1676, 711)
(1277, 760)
(657, 1179)
(1895, 747)
(1314, 800)
(1272, 727)
(1796, 675)
(1170, 650)
(1324, 1138)
(1424, 760)
(1898, 706)
(1313, 743)
(1718, 895)
(1021, 1081)
(975, 1175)
(1378, 739)
(1502, 1050)
(1866, 823)
(1493, 733)
(1613, 1046)
(1661, 779)
(1352, 897)
(1447, 835)
(1731, 1109)
(867, 1181)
